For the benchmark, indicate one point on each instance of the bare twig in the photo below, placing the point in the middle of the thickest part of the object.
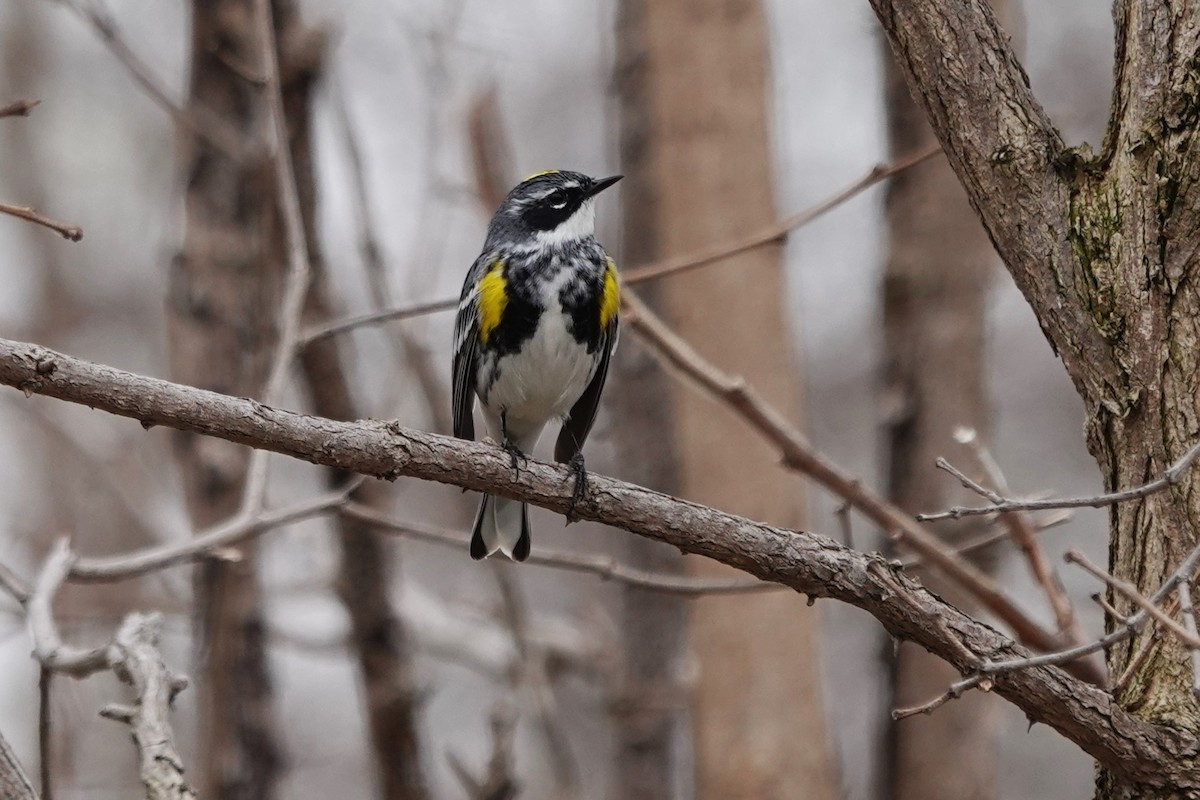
(63, 229)
(224, 535)
(846, 523)
(1189, 621)
(1108, 609)
(19, 108)
(1020, 526)
(777, 231)
(1170, 477)
(955, 691)
(13, 585)
(136, 661)
(299, 273)
(991, 537)
(603, 566)
(1130, 591)
(1185, 571)
(48, 646)
(659, 269)
(1139, 658)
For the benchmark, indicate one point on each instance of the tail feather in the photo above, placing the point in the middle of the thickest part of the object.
(501, 525)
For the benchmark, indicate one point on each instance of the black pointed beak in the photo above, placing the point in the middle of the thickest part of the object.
(600, 184)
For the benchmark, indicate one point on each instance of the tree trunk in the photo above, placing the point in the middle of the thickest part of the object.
(934, 289)
(224, 299)
(1103, 248)
(654, 758)
(704, 75)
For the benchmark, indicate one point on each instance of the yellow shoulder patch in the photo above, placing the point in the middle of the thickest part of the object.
(543, 172)
(610, 298)
(493, 297)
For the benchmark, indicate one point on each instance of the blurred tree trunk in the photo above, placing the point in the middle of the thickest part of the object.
(223, 306)
(934, 293)
(379, 642)
(655, 751)
(757, 706)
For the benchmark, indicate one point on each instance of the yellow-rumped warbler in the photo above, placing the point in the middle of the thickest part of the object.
(536, 325)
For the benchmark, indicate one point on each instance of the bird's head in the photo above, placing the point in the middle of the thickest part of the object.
(550, 208)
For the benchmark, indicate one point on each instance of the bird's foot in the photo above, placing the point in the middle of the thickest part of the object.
(577, 468)
(514, 452)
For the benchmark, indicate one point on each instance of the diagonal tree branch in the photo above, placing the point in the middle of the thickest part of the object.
(808, 563)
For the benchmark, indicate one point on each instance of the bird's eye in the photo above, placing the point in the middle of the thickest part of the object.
(557, 199)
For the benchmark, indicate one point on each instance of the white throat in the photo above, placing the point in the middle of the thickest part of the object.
(578, 226)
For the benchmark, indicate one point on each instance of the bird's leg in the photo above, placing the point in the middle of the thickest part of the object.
(510, 447)
(577, 468)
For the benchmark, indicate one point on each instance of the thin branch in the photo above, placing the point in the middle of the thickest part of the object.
(776, 232)
(63, 229)
(1020, 526)
(1189, 621)
(989, 538)
(772, 233)
(19, 108)
(955, 691)
(799, 455)
(226, 534)
(299, 272)
(1170, 477)
(325, 330)
(48, 646)
(1185, 571)
(1130, 591)
(1108, 608)
(603, 566)
(14, 585)
(1134, 749)
(137, 662)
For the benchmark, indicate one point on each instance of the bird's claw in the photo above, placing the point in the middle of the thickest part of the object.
(576, 466)
(514, 452)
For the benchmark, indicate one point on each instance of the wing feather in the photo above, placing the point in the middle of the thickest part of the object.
(466, 341)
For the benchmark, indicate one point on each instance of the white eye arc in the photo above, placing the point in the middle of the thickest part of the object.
(558, 199)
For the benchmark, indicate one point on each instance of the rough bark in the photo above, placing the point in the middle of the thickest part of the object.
(654, 747)
(225, 287)
(14, 783)
(934, 288)
(705, 137)
(1138, 751)
(379, 641)
(1103, 248)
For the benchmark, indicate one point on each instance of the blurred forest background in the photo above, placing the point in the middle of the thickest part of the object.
(312, 651)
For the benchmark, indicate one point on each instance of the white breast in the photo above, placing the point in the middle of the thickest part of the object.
(545, 379)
